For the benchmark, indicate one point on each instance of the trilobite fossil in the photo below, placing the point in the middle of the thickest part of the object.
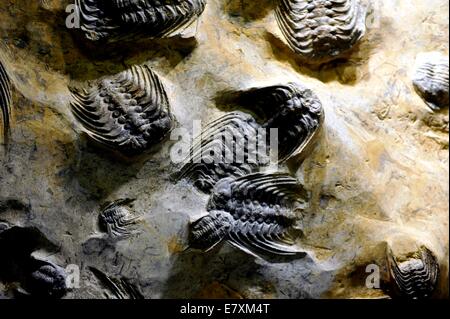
(431, 79)
(120, 288)
(47, 280)
(238, 143)
(321, 30)
(417, 276)
(117, 220)
(114, 20)
(5, 101)
(128, 112)
(257, 213)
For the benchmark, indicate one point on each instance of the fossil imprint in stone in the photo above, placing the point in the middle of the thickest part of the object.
(119, 19)
(5, 101)
(242, 143)
(119, 288)
(117, 220)
(259, 214)
(128, 112)
(431, 79)
(321, 30)
(417, 276)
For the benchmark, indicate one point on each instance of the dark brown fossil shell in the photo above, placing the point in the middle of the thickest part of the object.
(128, 112)
(416, 277)
(321, 30)
(431, 79)
(5, 101)
(255, 213)
(120, 19)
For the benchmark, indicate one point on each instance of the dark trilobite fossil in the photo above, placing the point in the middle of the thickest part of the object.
(431, 79)
(417, 276)
(128, 112)
(321, 30)
(47, 280)
(5, 101)
(114, 20)
(120, 288)
(223, 150)
(257, 213)
(117, 220)
(290, 111)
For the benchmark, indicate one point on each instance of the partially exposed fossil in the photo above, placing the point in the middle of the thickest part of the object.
(128, 112)
(431, 79)
(47, 280)
(417, 276)
(120, 19)
(5, 101)
(238, 144)
(120, 288)
(117, 220)
(321, 30)
(257, 213)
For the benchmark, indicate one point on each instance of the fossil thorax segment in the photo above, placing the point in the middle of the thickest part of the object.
(321, 30)
(431, 79)
(128, 112)
(115, 20)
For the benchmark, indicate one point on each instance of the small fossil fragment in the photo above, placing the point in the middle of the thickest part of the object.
(255, 213)
(238, 144)
(128, 112)
(416, 277)
(5, 102)
(115, 20)
(117, 220)
(321, 30)
(431, 79)
(121, 288)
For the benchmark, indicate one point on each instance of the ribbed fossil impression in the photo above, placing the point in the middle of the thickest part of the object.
(321, 30)
(119, 19)
(415, 277)
(257, 213)
(5, 101)
(117, 220)
(237, 144)
(128, 112)
(431, 79)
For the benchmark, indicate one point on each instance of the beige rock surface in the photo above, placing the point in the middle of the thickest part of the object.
(378, 176)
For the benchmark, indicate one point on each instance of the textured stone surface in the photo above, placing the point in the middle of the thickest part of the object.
(377, 177)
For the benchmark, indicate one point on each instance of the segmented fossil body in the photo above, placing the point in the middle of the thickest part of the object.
(321, 30)
(256, 213)
(117, 220)
(128, 112)
(241, 144)
(417, 276)
(47, 280)
(431, 79)
(5, 101)
(224, 149)
(118, 19)
(121, 288)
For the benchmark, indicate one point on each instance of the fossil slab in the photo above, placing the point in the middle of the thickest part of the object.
(431, 79)
(128, 112)
(119, 288)
(257, 213)
(121, 19)
(5, 101)
(321, 30)
(286, 118)
(415, 277)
